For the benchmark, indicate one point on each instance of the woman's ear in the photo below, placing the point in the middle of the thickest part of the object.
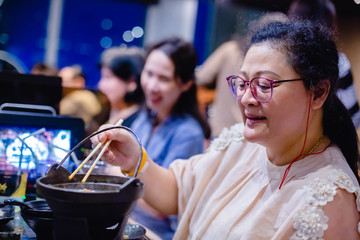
(320, 93)
(186, 86)
(131, 85)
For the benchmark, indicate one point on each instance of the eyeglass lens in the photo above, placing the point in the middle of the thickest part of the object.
(261, 88)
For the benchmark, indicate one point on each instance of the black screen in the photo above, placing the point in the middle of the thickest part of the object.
(47, 139)
(30, 89)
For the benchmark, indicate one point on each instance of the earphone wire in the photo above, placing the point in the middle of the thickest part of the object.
(303, 147)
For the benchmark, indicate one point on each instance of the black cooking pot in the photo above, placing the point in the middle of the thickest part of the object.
(96, 209)
(37, 215)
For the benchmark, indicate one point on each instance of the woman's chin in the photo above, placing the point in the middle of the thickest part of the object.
(252, 135)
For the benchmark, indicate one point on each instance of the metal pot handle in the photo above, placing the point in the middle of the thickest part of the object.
(103, 130)
(14, 202)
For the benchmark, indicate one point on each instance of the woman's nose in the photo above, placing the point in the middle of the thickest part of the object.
(152, 84)
(248, 97)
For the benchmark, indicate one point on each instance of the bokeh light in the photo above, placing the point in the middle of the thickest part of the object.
(128, 36)
(106, 42)
(137, 32)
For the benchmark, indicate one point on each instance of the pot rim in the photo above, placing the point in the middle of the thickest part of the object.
(120, 186)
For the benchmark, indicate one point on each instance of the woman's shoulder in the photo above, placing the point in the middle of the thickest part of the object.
(322, 197)
(232, 142)
(232, 149)
(141, 118)
(228, 136)
(332, 163)
(183, 123)
(343, 224)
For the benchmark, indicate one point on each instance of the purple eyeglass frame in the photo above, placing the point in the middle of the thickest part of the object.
(252, 88)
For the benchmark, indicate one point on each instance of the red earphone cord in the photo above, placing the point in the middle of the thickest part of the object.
(302, 150)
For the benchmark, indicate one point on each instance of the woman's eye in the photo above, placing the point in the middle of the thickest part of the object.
(242, 85)
(148, 73)
(264, 87)
(164, 79)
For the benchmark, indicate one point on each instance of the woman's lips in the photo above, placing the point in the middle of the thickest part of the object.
(154, 100)
(252, 119)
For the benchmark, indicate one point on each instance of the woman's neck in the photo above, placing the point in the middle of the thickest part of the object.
(161, 117)
(121, 105)
(285, 155)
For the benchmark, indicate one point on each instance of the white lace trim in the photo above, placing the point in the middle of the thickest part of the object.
(319, 192)
(310, 221)
(236, 133)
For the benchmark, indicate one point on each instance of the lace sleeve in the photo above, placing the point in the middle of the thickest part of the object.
(235, 133)
(310, 221)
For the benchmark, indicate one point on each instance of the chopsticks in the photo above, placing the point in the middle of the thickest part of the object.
(107, 143)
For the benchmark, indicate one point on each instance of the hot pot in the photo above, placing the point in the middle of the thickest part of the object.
(96, 209)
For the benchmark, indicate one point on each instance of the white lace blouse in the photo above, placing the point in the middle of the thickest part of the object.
(231, 192)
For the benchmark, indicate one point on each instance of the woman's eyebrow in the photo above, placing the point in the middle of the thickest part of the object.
(259, 73)
(243, 74)
(268, 72)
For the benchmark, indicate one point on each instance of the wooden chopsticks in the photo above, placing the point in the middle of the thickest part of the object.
(107, 143)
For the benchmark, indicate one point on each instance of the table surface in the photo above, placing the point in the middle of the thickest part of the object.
(11, 231)
(7, 231)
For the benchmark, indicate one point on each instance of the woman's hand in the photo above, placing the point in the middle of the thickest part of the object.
(123, 151)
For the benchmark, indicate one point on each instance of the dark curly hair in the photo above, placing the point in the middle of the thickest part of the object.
(312, 52)
(184, 57)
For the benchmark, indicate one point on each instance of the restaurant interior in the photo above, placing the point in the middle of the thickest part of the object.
(40, 147)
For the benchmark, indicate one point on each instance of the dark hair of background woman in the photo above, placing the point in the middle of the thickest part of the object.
(126, 64)
(313, 54)
(183, 55)
(318, 11)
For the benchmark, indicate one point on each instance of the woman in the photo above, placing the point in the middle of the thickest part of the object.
(289, 172)
(170, 127)
(120, 82)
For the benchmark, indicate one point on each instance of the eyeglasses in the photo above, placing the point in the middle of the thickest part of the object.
(261, 88)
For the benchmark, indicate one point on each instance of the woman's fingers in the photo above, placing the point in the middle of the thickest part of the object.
(109, 157)
(123, 150)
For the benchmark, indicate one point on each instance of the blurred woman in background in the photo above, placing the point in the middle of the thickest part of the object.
(170, 126)
(120, 82)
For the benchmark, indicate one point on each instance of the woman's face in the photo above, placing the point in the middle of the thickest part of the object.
(112, 86)
(282, 120)
(161, 88)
